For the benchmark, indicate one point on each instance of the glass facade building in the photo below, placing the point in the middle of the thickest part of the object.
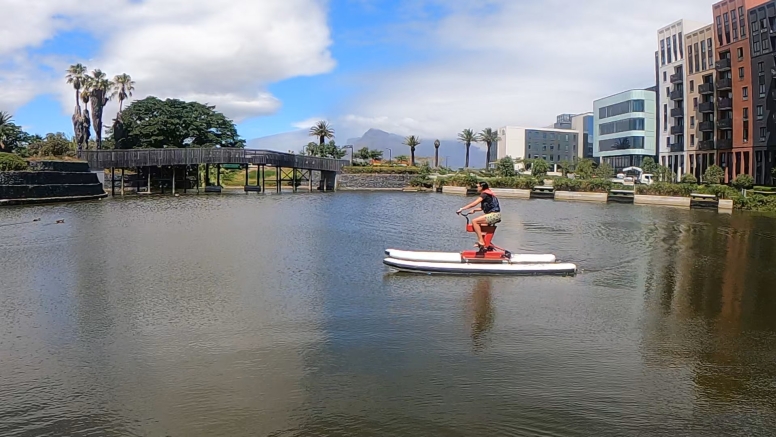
(624, 128)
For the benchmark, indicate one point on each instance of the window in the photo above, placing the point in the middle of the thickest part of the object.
(665, 77)
(681, 44)
(740, 72)
(692, 86)
(760, 67)
(762, 89)
(665, 117)
(675, 55)
(668, 49)
(759, 112)
(552, 157)
(692, 140)
(692, 121)
(746, 113)
(727, 18)
(544, 148)
(756, 47)
(746, 131)
(621, 126)
(621, 108)
(762, 134)
(668, 91)
(740, 52)
(743, 29)
(735, 30)
(689, 61)
(745, 92)
(755, 27)
(695, 103)
(552, 147)
(662, 52)
(764, 24)
(766, 46)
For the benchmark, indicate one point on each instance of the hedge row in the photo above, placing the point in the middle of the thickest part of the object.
(380, 170)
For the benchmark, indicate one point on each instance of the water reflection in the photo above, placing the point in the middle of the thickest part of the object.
(483, 313)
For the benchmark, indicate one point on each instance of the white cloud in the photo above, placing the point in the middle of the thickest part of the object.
(224, 53)
(517, 63)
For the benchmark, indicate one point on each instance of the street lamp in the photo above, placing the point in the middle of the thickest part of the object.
(389, 154)
(446, 162)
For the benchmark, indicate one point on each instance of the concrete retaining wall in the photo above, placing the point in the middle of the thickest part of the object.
(679, 202)
(71, 181)
(581, 196)
(512, 193)
(61, 166)
(373, 181)
(462, 191)
(725, 204)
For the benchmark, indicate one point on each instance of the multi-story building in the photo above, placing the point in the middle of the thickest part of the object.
(672, 77)
(584, 124)
(624, 127)
(762, 27)
(552, 145)
(700, 100)
(733, 83)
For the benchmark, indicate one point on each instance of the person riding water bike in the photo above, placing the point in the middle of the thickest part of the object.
(489, 205)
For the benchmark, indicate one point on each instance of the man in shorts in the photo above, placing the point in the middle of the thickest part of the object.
(489, 205)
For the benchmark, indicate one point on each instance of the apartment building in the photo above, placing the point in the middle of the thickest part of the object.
(672, 79)
(624, 128)
(552, 145)
(700, 97)
(762, 31)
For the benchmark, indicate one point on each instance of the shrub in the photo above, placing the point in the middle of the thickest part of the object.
(539, 167)
(461, 180)
(743, 182)
(721, 191)
(648, 165)
(566, 184)
(505, 167)
(584, 169)
(689, 178)
(604, 171)
(420, 181)
(596, 186)
(525, 183)
(380, 170)
(11, 162)
(756, 202)
(666, 189)
(714, 175)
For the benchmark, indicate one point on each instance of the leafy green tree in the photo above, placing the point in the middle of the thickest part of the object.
(154, 123)
(53, 145)
(323, 131)
(505, 167)
(329, 150)
(565, 167)
(743, 182)
(539, 167)
(98, 87)
(467, 137)
(584, 169)
(11, 162)
(664, 174)
(648, 165)
(6, 126)
(123, 86)
(402, 158)
(714, 175)
(604, 171)
(488, 136)
(412, 141)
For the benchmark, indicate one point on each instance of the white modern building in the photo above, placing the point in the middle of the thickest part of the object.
(671, 86)
(624, 128)
(552, 145)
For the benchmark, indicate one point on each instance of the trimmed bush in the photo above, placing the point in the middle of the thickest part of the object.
(689, 178)
(756, 202)
(714, 175)
(596, 186)
(666, 189)
(460, 180)
(566, 184)
(721, 191)
(380, 170)
(11, 162)
(743, 182)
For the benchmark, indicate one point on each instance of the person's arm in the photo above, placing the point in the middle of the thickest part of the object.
(472, 205)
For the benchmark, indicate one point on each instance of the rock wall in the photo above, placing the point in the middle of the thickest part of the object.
(373, 181)
(51, 181)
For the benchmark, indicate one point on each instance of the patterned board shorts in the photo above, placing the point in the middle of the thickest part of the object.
(493, 218)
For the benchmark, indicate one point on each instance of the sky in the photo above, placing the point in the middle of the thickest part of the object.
(424, 67)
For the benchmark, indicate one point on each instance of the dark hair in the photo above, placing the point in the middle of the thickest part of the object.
(484, 185)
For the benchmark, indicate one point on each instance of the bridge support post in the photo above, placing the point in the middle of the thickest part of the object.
(293, 180)
(277, 179)
(112, 181)
(149, 180)
(218, 175)
(263, 179)
(246, 176)
(137, 180)
(310, 179)
(185, 178)
(197, 178)
(173, 180)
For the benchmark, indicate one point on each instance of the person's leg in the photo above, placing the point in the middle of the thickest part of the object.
(477, 226)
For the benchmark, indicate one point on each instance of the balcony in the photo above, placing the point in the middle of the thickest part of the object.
(725, 104)
(706, 88)
(724, 144)
(677, 130)
(725, 123)
(677, 95)
(677, 112)
(676, 147)
(723, 64)
(706, 126)
(706, 145)
(706, 107)
(677, 78)
(724, 84)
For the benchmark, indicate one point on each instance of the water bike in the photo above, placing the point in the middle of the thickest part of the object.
(488, 259)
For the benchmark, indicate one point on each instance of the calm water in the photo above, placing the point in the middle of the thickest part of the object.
(243, 315)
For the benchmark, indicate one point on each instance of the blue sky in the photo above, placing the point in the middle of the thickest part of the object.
(425, 67)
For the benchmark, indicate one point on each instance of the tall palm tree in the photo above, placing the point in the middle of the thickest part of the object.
(123, 85)
(322, 130)
(488, 136)
(412, 141)
(76, 76)
(436, 153)
(467, 137)
(99, 89)
(5, 123)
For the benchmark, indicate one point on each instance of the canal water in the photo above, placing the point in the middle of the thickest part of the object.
(245, 315)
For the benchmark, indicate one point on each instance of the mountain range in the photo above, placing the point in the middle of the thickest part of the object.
(451, 151)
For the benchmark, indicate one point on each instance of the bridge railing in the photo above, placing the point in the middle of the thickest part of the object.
(101, 159)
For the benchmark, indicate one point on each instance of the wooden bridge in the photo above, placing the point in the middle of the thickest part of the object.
(161, 163)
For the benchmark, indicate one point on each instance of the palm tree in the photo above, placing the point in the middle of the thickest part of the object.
(5, 123)
(412, 141)
(76, 76)
(436, 153)
(322, 130)
(488, 136)
(99, 87)
(123, 85)
(467, 137)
